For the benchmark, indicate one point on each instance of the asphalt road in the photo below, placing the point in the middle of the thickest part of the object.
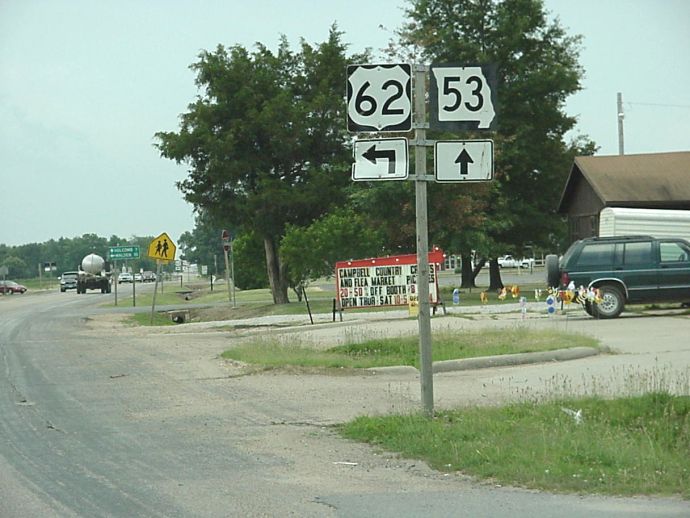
(97, 419)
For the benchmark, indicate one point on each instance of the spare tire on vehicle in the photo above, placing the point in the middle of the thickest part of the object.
(553, 274)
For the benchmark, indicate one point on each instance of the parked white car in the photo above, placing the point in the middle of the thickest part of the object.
(508, 261)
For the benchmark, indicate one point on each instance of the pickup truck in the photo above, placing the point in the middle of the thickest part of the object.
(508, 261)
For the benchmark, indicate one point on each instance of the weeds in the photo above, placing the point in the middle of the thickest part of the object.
(631, 445)
(380, 351)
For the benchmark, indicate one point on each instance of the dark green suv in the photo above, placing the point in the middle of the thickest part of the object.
(626, 269)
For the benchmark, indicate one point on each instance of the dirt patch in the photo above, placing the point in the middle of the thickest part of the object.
(213, 314)
(118, 324)
(108, 321)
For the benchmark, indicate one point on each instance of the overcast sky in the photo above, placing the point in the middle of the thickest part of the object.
(84, 86)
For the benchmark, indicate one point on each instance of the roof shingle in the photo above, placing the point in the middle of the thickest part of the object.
(652, 180)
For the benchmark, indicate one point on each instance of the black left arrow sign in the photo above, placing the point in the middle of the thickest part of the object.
(464, 159)
(372, 154)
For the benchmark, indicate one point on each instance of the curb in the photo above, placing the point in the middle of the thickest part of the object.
(506, 360)
(399, 369)
(503, 360)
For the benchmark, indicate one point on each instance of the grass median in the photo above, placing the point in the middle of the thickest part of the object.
(383, 351)
(623, 446)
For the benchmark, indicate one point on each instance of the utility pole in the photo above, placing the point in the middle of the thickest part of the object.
(621, 116)
(424, 317)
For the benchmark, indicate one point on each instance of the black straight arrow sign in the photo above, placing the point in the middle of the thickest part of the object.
(464, 159)
(372, 154)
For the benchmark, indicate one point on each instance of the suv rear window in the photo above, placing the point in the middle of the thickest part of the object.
(596, 254)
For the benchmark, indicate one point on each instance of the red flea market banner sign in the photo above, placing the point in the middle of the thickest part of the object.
(384, 281)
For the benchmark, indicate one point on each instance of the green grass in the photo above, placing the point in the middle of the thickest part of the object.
(124, 297)
(196, 293)
(260, 309)
(381, 352)
(472, 297)
(144, 319)
(259, 302)
(625, 446)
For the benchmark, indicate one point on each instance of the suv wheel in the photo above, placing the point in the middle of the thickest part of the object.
(612, 303)
(553, 275)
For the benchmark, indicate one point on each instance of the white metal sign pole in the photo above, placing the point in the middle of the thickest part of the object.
(424, 317)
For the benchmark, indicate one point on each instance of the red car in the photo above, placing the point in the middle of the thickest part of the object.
(11, 287)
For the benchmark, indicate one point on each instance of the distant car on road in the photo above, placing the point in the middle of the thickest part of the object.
(12, 287)
(149, 277)
(138, 277)
(68, 281)
(125, 277)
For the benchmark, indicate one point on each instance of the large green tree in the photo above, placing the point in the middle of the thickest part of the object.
(67, 253)
(265, 140)
(538, 70)
(15, 266)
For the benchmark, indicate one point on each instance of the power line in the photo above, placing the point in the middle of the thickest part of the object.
(659, 104)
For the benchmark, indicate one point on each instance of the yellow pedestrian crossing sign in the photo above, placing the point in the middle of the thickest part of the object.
(162, 248)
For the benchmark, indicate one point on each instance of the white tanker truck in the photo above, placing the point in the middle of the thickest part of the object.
(93, 275)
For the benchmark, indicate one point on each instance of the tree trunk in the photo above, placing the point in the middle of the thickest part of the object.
(478, 268)
(299, 291)
(467, 276)
(276, 273)
(495, 282)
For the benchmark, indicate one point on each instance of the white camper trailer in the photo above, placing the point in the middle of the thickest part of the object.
(659, 223)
